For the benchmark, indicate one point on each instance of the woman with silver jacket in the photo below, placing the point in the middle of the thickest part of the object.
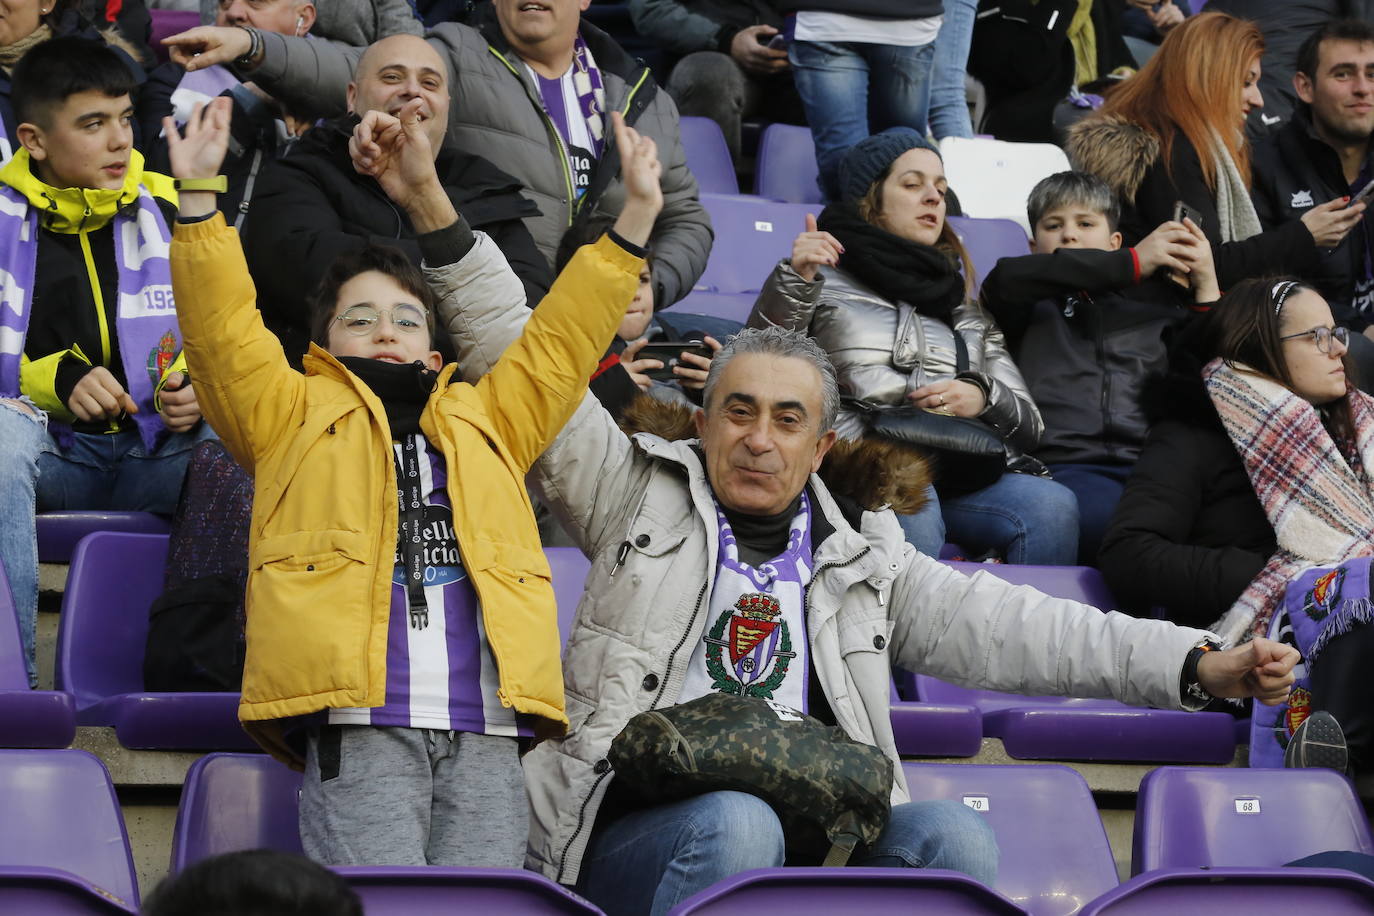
(887, 308)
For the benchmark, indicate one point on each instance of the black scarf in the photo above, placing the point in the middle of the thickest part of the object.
(403, 389)
(922, 276)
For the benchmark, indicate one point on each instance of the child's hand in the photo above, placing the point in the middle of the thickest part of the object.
(1165, 247)
(99, 396)
(1202, 271)
(200, 153)
(638, 367)
(814, 248)
(641, 172)
(692, 368)
(179, 408)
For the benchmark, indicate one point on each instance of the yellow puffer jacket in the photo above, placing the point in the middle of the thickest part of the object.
(324, 525)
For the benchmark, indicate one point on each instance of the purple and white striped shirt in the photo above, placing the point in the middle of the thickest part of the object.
(439, 668)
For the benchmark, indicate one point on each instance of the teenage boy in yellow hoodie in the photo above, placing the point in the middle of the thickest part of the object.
(96, 411)
(399, 606)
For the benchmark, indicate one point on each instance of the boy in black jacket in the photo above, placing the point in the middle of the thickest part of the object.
(1086, 322)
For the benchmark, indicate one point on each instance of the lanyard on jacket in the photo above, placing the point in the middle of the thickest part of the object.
(411, 510)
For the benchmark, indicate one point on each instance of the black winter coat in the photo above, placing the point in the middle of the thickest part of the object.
(1189, 533)
(311, 206)
(1294, 171)
(1085, 338)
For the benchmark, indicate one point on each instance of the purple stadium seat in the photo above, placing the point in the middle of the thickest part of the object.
(63, 830)
(1054, 851)
(988, 241)
(828, 891)
(786, 166)
(1330, 891)
(1061, 728)
(28, 718)
(411, 891)
(752, 236)
(1190, 818)
(114, 579)
(708, 157)
(39, 891)
(236, 801)
(935, 729)
(60, 532)
(169, 22)
(569, 572)
(735, 306)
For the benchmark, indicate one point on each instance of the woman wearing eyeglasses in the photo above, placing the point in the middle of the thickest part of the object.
(1252, 509)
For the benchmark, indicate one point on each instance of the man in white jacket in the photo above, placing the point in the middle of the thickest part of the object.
(685, 533)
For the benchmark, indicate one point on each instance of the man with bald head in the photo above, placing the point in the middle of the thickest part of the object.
(313, 205)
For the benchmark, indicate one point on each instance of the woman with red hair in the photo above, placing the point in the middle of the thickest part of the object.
(1175, 133)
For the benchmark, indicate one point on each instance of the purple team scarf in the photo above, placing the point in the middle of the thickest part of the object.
(146, 321)
(591, 94)
(1319, 605)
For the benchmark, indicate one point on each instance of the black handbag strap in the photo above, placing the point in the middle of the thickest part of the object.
(960, 353)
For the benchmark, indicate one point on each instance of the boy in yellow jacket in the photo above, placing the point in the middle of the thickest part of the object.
(398, 596)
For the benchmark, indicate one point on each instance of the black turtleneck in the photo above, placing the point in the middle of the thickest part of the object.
(402, 389)
(760, 538)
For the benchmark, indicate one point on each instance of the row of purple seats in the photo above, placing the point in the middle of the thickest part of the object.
(1055, 858)
(785, 169)
(28, 718)
(1061, 728)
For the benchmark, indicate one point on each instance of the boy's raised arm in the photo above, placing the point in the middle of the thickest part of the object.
(246, 389)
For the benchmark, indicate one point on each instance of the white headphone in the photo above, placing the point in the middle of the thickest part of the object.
(300, 21)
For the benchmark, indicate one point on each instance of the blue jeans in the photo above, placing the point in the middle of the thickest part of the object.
(1023, 518)
(650, 860)
(948, 96)
(852, 89)
(1098, 488)
(94, 472)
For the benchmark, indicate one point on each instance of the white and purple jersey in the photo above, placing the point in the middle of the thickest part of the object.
(439, 669)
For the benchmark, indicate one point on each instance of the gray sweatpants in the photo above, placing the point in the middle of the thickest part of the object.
(376, 795)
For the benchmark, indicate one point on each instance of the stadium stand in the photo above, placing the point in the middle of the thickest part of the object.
(113, 580)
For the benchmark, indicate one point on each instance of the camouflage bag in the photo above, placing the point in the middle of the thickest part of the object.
(829, 791)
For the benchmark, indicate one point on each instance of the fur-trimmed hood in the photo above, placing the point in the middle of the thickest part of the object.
(873, 473)
(1118, 151)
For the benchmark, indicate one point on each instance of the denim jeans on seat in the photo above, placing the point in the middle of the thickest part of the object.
(853, 89)
(650, 860)
(1025, 519)
(93, 472)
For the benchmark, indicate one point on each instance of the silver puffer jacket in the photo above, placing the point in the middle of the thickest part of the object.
(882, 349)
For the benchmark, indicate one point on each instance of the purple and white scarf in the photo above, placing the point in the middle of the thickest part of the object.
(200, 87)
(755, 642)
(576, 104)
(146, 320)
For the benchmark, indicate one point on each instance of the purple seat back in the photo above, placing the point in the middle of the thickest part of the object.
(169, 22)
(35, 891)
(60, 812)
(407, 891)
(735, 306)
(1187, 817)
(1054, 851)
(60, 532)
(988, 241)
(28, 718)
(708, 156)
(114, 579)
(231, 802)
(828, 891)
(569, 573)
(786, 166)
(1331, 891)
(752, 236)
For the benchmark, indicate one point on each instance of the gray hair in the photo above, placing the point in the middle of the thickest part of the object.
(780, 342)
(1082, 188)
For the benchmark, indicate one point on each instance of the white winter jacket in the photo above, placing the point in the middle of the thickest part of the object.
(642, 511)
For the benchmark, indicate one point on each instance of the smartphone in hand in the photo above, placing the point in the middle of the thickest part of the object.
(669, 352)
